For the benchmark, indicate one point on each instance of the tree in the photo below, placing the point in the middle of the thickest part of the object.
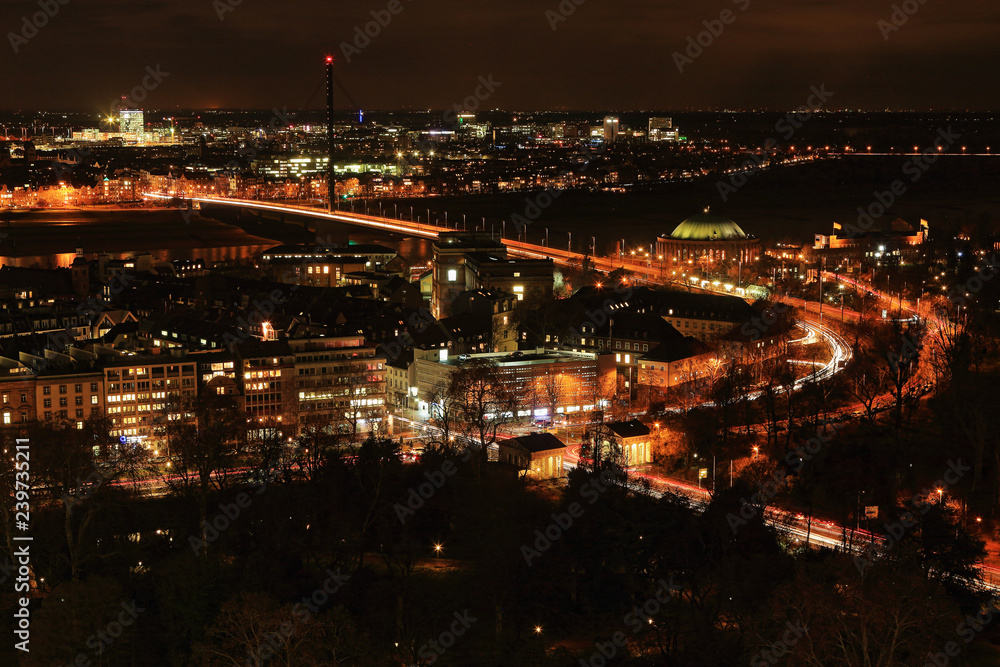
(445, 409)
(255, 625)
(620, 276)
(868, 383)
(317, 439)
(898, 346)
(205, 448)
(69, 464)
(488, 405)
(377, 463)
(891, 616)
(603, 449)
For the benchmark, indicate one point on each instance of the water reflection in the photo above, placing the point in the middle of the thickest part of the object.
(416, 251)
(209, 255)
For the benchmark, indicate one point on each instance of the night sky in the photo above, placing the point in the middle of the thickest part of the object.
(606, 55)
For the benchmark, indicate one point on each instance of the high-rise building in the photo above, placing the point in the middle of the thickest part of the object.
(131, 123)
(610, 129)
(465, 261)
(662, 129)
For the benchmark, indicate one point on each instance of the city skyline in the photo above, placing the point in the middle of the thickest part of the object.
(557, 333)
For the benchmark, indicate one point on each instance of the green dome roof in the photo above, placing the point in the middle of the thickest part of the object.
(708, 227)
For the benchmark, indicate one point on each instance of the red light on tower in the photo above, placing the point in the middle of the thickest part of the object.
(329, 59)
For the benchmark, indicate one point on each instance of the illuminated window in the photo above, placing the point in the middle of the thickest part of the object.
(452, 275)
(6, 418)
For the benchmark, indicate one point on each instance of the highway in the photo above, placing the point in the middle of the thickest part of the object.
(408, 228)
(820, 533)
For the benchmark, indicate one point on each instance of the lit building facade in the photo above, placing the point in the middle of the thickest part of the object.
(139, 392)
(469, 261)
(539, 454)
(338, 379)
(662, 129)
(132, 125)
(710, 236)
(548, 382)
(69, 398)
(611, 129)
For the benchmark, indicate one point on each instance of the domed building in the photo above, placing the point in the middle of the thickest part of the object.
(709, 234)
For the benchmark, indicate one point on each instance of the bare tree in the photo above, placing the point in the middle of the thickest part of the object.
(69, 462)
(445, 414)
(868, 384)
(898, 347)
(488, 405)
(204, 451)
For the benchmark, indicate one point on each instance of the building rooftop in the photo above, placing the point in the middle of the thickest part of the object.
(629, 429)
(708, 227)
(536, 442)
